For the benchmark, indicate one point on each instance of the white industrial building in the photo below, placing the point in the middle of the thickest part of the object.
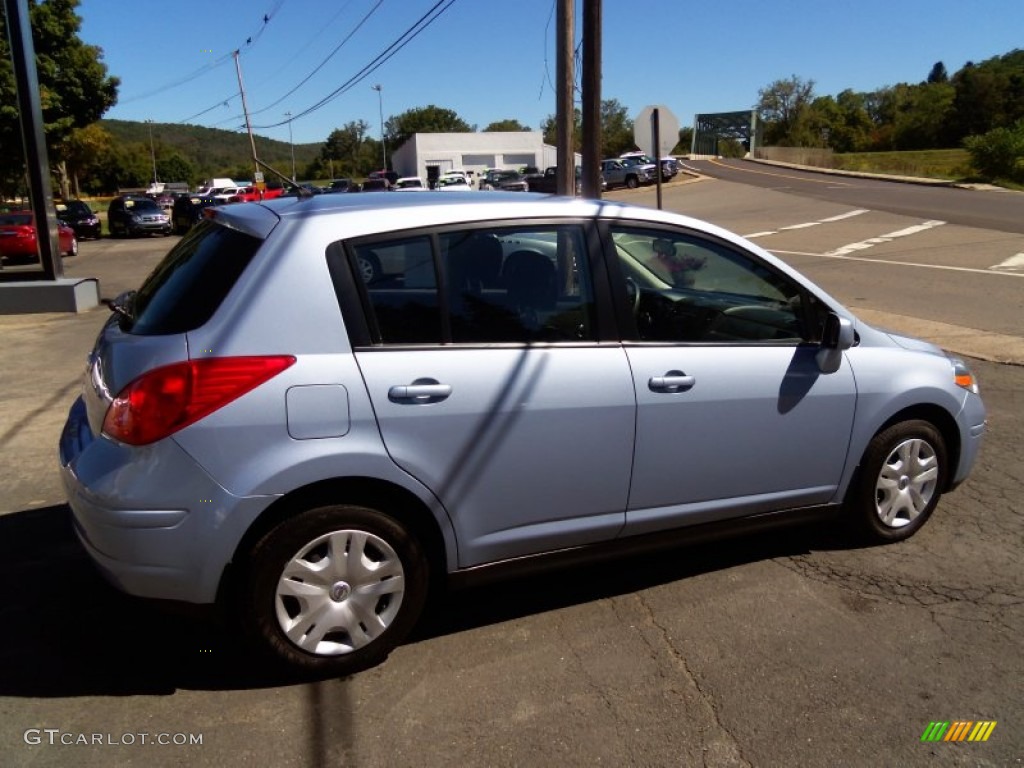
(428, 155)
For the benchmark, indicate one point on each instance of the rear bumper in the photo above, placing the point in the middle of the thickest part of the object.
(156, 538)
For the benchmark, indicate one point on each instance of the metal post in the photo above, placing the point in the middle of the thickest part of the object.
(30, 114)
(152, 151)
(380, 105)
(290, 142)
(656, 141)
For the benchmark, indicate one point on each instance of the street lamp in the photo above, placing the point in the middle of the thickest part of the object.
(380, 103)
(152, 152)
(292, 143)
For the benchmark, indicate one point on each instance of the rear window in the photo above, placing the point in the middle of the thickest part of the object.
(186, 288)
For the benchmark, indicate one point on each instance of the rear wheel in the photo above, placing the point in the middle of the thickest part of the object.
(901, 479)
(73, 248)
(335, 589)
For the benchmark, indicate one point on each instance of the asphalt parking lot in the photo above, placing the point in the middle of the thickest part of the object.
(788, 649)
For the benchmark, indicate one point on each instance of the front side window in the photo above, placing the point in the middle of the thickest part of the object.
(684, 288)
(478, 286)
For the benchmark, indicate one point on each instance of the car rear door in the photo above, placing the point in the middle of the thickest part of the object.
(491, 386)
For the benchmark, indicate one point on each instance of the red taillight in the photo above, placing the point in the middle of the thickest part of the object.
(164, 400)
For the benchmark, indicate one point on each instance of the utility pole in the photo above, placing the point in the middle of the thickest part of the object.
(290, 142)
(380, 105)
(591, 108)
(152, 151)
(565, 113)
(248, 123)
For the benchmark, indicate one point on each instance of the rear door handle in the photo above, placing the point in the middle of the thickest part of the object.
(673, 381)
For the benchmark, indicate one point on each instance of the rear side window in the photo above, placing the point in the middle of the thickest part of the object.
(485, 285)
(186, 288)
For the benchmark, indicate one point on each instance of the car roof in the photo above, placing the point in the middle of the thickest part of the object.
(376, 211)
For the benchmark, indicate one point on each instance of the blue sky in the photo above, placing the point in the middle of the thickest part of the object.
(493, 59)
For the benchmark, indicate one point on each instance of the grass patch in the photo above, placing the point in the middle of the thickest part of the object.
(949, 164)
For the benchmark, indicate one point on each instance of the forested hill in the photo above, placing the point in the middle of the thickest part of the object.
(210, 148)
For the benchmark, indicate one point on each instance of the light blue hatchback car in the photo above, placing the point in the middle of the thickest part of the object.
(526, 380)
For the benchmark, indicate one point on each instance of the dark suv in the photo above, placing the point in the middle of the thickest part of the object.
(80, 217)
(133, 215)
(188, 211)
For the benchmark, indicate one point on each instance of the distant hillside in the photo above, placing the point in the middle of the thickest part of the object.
(213, 151)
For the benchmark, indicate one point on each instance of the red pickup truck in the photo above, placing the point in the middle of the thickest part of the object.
(251, 194)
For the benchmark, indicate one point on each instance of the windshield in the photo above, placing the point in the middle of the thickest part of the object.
(142, 206)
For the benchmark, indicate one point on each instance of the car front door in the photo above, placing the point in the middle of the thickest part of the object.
(734, 416)
(492, 388)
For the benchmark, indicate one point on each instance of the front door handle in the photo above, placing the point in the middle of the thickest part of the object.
(420, 391)
(673, 381)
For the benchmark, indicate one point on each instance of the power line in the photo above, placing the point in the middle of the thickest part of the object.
(220, 61)
(400, 42)
(225, 101)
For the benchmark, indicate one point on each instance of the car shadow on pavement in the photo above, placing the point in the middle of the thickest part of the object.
(458, 610)
(69, 633)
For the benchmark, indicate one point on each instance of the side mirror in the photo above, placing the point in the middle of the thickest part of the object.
(836, 337)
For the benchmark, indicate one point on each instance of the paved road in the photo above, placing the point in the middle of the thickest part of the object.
(996, 209)
(790, 649)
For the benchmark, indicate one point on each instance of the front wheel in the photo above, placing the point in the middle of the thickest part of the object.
(901, 479)
(632, 182)
(335, 589)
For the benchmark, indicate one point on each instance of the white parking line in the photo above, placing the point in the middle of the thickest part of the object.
(872, 241)
(848, 215)
(1013, 263)
(845, 257)
(829, 220)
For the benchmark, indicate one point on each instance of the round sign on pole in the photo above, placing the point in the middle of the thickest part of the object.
(668, 130)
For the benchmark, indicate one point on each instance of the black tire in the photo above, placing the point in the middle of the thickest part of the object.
(73, 250)
(899, 482)
(632, 182)
(268, 599)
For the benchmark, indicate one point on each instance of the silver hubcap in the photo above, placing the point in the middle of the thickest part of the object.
(339, 592)
(906, 483)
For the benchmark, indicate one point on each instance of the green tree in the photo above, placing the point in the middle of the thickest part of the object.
(923, 115)
(174, 166)
(508, 124)
(74, 88)
(429, 119)
(82, 149)
(782, 106)
(938, 73)
(685, 142)
(999, 153)
(616, 129)
(343, 150)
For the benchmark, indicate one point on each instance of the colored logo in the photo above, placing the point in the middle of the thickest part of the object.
(959, 730)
